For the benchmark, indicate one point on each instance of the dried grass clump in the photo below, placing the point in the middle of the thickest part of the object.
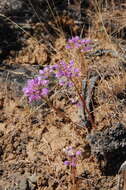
(111, 88)
(33, 53)
(109, 20)
(105, 115)
(110, 98)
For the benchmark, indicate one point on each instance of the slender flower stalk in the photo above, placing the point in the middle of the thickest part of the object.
(72, 162)
(84, 104)
(69, 72)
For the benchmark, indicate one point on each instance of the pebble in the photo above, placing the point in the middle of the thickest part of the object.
(33, 179)
(23, 185)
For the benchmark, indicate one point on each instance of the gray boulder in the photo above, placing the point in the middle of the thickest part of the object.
(7, 6)
(109, 147)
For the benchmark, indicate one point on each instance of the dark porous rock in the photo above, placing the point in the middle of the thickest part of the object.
(109, 147)
(15, 76)
(29, 9)
(18, 10)
(9, 38)
(10, 5)
(41, 10)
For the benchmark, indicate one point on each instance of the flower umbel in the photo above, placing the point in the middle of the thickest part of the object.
(72, 156)
(36, 88)
(64, 72)
(79, 43)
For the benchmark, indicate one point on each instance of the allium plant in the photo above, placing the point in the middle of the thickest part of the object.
(64, 73)
(72, 156)
(79, 43)
(37, 88)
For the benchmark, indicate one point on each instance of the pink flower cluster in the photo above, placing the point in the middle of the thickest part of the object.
(65, 72)
(72, 155)
(79, 43)
(38, 87)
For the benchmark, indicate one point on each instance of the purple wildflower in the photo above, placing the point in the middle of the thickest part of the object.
(69, 151)
(85, 41)
(36, 88)
(68, 46)
(64, 72)
(87, 48)
(79, 43)
(61, 82)
(73, 101)
(78, 104)
(73, 162)
(72, 156)
(78, 153)
(67, 163)
(46, 72)
(45, 91)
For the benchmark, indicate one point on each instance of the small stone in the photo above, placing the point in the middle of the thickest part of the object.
(32, 182)
(32, 186)
(33, 179)
(23, 185)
